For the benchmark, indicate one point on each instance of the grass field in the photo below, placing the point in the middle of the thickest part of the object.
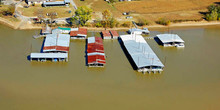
(154, 9)
(32, 11)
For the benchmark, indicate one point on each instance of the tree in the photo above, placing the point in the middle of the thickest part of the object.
(82, 14)
(106, 15)
(112, 1)
(11, 9)
(212, 16)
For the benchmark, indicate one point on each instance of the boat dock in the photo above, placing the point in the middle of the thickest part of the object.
(140, 54)
(54, 57)
(170, 40)
(95, 52)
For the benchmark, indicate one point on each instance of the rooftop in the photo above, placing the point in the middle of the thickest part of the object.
(106, 33)
(165, 38)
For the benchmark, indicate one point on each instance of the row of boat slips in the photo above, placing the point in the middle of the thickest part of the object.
(140, 54)
(112, 34)
(95, 52)
(49, 56)
(170, 40)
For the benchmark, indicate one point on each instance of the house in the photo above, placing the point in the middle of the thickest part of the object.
(78, 33)
(29, 2)
(56, 3)
(170, 40)
(106, 34)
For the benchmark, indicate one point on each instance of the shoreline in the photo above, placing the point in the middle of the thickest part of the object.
(189, 24)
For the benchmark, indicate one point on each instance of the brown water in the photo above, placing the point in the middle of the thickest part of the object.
(190, 81)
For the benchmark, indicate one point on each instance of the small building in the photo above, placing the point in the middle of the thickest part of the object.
(114, 34)
(46, 30)
(29, 2)
(56, 43)
(56, 3)
(139, 31)
(78, 33)
(106, 34)
(54, 57)
(95, 52)
(170, 40)
(64, 30)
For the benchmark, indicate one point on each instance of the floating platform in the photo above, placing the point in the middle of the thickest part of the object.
(140, 54)
(170, 40)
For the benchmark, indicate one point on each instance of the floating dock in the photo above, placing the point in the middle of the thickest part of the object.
(54, 57)
(140, 54)
(95, 52)
(78, 33)
(170, 40)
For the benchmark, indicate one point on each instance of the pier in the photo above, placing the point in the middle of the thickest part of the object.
(141, 55)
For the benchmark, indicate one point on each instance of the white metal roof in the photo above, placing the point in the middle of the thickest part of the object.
(95, 53)
(74, 29)
(49, 55)
(165, 38)
(140, 51)
(139, 31)
(63, 40)
(57, 40)
(91, 40)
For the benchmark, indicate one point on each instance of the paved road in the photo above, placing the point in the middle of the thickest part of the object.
(73, 3)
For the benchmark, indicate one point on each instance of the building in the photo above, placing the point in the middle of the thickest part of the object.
(114, 34)
(170, 40)
(142, 57)
(49, 56)
(78, 33)
(106, 34)
(139, 31)
(56, 3)
(64, 30)
(56, 43)
(95, 52)
(29, 2)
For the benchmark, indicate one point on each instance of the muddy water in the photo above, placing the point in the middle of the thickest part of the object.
(190, 81)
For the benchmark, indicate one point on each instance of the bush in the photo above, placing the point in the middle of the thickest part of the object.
(163, 21)
(213, 16)
(142, 22)
(126, 24)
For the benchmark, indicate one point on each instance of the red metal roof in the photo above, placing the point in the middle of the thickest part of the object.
(81, 31)
(106, 33)
(56, 48)
(96, 59)
(96, 47)
(114, 33)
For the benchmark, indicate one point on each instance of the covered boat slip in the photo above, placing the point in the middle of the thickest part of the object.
(49, 56)
(95, 52)
(57, 43)
(170, 40)
(143, 57)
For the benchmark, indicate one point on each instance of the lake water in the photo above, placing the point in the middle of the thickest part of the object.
(190, 81)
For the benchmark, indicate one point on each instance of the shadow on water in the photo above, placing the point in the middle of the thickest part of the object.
(158, 41)
(86, 58)
(42, 47)
(127, 54)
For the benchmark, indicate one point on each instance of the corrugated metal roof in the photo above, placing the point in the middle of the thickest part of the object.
(69, 29)
(57, 42)
(106, 33)
(139, 31)
(96, 53)
(114, 33)
(54, 3)
(49, 55)
(91, 40)
(67, 1)
(79, 32)
(140, 51)
(165, 38)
